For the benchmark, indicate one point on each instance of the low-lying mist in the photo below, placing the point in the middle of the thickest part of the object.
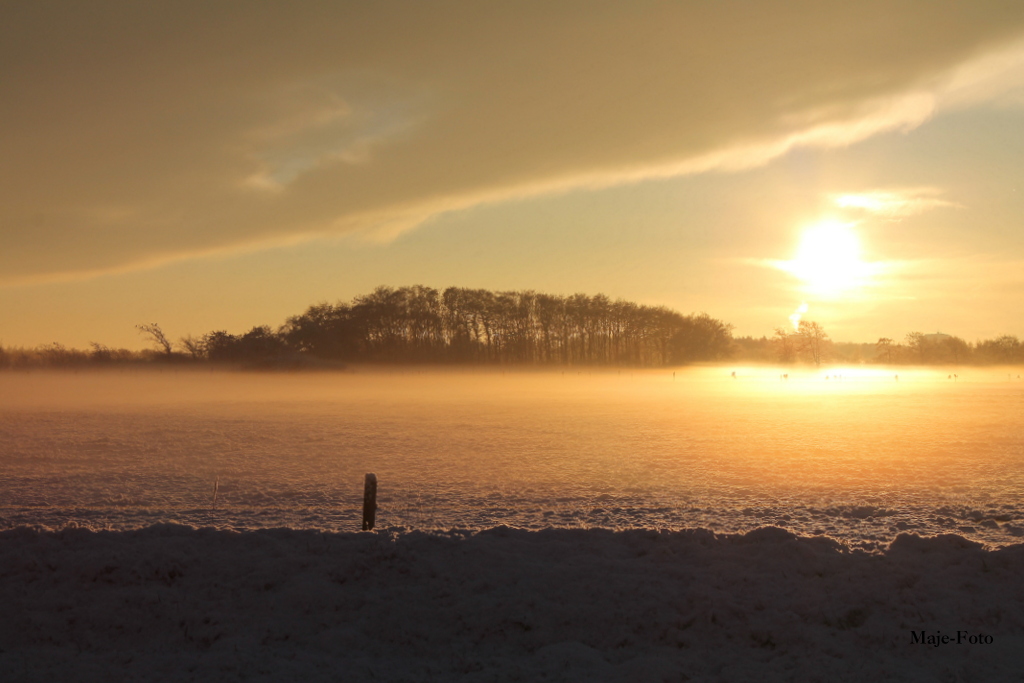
(858, 454)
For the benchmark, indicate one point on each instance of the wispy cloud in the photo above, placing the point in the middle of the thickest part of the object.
(893, 204)
(372, 121)
(326, 121)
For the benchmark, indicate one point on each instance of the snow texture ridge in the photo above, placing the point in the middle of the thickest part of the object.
(176, 603)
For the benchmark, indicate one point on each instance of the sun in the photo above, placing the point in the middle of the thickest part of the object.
(828, 259)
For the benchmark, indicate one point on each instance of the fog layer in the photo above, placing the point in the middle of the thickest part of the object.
(857, 456)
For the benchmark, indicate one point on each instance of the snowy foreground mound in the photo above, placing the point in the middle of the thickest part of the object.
(180, 604)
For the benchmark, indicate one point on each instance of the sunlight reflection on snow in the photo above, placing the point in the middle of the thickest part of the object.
(854, 453)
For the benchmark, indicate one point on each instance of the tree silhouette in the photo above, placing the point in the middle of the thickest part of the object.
(957, 350)
(1005, 349)
(812, 340)
(221, 346)
(917, 344)
(193, 346)
(156, 336)
(420, 324)
(785, 347)
(459, 325)
(885, 347)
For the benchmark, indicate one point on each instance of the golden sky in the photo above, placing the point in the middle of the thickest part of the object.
(220, 165)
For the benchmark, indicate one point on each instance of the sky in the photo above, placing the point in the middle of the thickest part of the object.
(222, 165)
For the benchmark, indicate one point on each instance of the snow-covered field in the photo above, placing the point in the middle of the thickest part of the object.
(859, 459)
(171, 603)
(603, 478)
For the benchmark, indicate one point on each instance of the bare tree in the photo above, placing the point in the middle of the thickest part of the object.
(812, 340)
(785, 350)
(917, 343)
(884, 347)
(193, 346)
(957, 349)
(153, 332)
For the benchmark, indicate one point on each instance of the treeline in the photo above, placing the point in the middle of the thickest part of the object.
(477, 326)
(916, 348)
(424, 325)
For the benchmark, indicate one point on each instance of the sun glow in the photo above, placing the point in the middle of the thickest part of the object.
(828, 259)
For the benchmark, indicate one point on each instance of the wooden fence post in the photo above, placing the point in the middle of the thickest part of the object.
(369, 501)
